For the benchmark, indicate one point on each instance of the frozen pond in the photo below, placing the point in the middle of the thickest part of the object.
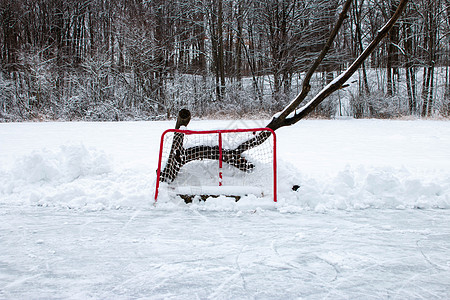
(188, 254)
(371, 219)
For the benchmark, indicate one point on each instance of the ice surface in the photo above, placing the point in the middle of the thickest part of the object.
(370, 219)
(193, 253)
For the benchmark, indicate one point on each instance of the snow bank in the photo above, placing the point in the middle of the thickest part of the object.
(350, 189)
(72, 177)
(339, 165)
(66, 165)
(77, 177)
(365, 187)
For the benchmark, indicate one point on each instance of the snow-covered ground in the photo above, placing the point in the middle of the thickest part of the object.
(370, 220)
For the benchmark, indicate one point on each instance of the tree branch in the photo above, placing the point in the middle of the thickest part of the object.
(306, 87)
(285, 120)
(290, 115)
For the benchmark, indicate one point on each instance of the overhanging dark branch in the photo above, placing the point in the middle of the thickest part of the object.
(289, 115)
(278, 121)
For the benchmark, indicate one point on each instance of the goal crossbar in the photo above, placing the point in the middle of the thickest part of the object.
(223, 190)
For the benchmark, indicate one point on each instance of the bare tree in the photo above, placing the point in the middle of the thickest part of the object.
(409, 47)
(291, 114)
(215, 11)
(158, 56)
(430, 46)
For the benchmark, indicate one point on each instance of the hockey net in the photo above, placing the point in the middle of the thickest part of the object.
(235, 163)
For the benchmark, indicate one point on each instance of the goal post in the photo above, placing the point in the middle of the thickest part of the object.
(229, 162)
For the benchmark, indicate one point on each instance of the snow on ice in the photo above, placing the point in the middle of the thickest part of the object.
(370, 219)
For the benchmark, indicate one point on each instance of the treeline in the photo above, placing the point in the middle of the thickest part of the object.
(119, 60)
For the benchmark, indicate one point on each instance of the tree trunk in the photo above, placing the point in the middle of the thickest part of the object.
(180, 156)
(358, 32)
(392, 56)
(430, 46)
(409, 68)
(239, 43)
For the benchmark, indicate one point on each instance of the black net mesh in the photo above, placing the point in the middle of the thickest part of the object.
(193, 159)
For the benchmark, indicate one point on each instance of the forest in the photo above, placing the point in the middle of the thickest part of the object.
(105, 60)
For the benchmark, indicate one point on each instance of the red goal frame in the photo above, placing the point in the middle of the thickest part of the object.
(219, 132)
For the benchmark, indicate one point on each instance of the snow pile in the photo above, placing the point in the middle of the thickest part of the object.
(66, 165)
(350, 189)
(81, 178)
(72, 177)
(339, 165)
(362, 187)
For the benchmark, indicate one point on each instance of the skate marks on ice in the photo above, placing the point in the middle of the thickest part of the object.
(54, 253)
